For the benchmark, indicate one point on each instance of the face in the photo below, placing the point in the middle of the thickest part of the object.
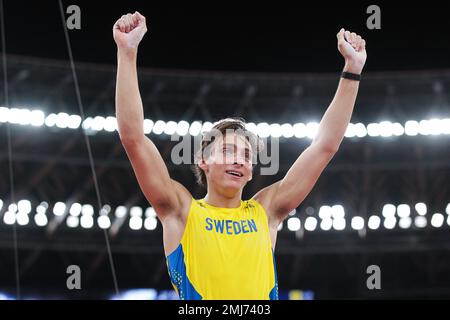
(229, 166)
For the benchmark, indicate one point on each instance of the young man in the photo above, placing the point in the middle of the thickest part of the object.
(221, 247)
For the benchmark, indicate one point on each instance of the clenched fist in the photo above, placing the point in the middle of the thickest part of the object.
(129, 30)
(353, 49)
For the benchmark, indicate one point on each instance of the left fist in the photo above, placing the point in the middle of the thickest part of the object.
(353, 49)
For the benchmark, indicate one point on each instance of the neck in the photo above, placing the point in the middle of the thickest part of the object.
(223, 200)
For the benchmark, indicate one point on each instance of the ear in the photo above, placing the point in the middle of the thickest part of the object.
(203, 165)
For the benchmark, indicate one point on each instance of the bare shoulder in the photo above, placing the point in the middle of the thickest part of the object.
(264, 197)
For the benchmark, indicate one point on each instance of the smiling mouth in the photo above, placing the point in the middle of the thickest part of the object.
(234, 173)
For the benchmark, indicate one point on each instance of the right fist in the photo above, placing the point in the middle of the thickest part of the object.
(129, 30)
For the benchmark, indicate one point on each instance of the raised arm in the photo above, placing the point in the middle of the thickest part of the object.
(285, 195)
(165, 195)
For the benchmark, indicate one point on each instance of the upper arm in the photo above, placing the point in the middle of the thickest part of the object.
(165, 195)
(285, 195)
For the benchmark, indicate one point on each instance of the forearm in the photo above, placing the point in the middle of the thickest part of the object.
(335, 121)
(129, 108)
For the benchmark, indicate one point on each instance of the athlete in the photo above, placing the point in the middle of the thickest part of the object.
(220, 246)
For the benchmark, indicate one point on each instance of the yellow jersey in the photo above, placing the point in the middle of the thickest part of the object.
(224, 254)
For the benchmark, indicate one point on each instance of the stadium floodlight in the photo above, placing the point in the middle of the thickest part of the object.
(310, 224)
(75, 209)
(150, 223)
(111, 124)
(62, 120)
(9, 217)
(120, 212)
(135, 223)
(311, 129)
(195, 128)
(403, 210)
(374, 222)
(325, 212)
(86, 221)
(350, 132)
(326, 224)
(50, 120)
(360, 130)
(339, 224)
(37, 118)
(148, 126)
(447, 209)
(397, 129)
(98, 124)
(421, 208)
(24, 206)
(104, 222)
(207, 126)
(250, 126)
(182, 128)
(420, 222)
(294, 224)
(357, 223)
(405, 222)
(136, 212)
(437, 220)
(40, 219)
(389, 210)
(22, 218)
(59, 208)
(1, 204)
(275, 130)
(87, 210)
(42, 208)
(73, 221)
(150, 212)
(373, 130)
(87, 123)
(263, 129)
(337, 212)
(412, 128)
(159, 127)
(74, 121)
(287, 131)
(299, 130)
(171, 128)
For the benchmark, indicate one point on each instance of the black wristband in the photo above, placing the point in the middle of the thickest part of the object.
(351, 76)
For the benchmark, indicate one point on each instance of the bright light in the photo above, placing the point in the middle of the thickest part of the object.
(360, 130)
(22, 219)
(263, 129)
(403, 210)
(397, 129)
(280, 226)
(310, 224)
(325, 212)
(437, 220)
(275, 130)
(73, 221)
(299, 130)
(24, 206)
(447, 209)
(385, 128)
(50, 120)
(412, 128)
(40, 219)
(75, 209)
(4, 114)
(62, 120)
(421, 208)
(159, 127)
(389, 210)
(98, 123)
(103, 222)
(357, 223)
(311, 129)
(121, 212)
(294, 224)
(182, 128)
(105, 210)
(135, 223)
(9, 218)
(87, 123)
(420, 222)
(326, 224)
(150, 212)
(42, 208)
(390, 222)
(339, 224)
(111, 124)
(207, 126)
(19, 116)
(136, 212)
(148, 126)
(195, 128)
(59, 208)
(12, 208)
(250, 126)
(87, 210)
(86, 221)
(74, 121)
(171, 127)
(150, 223)
(350, 132)
(374, 222)
(448, 220)
(338, 212)
(1, 204)
(405, 223)
(287, 130)
(37, 118)
(373, 130)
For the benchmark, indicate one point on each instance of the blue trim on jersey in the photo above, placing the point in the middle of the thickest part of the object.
(178, 276)
(273, 295)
